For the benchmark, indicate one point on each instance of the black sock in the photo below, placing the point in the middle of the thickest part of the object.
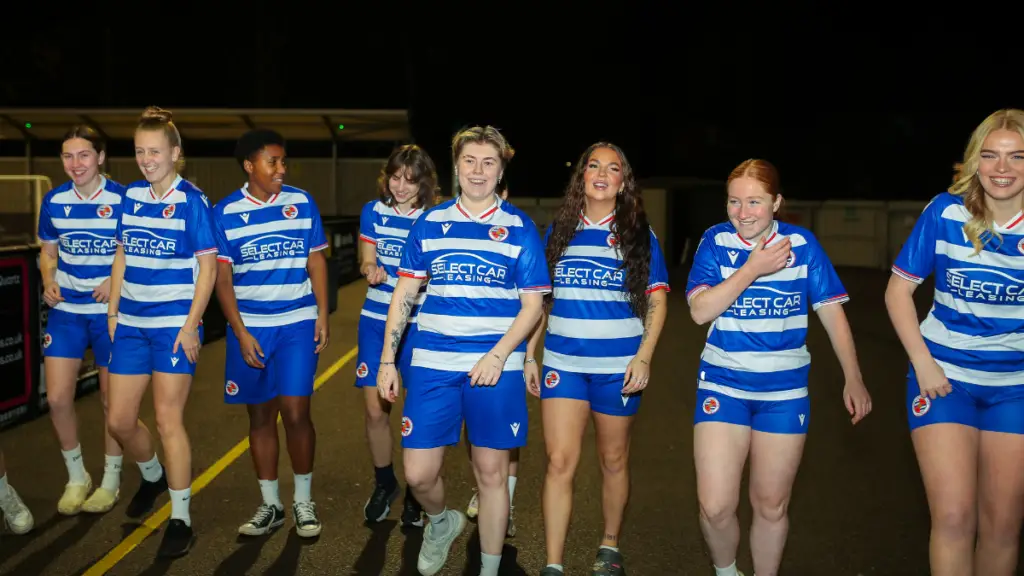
(386, 477)
(408, 495)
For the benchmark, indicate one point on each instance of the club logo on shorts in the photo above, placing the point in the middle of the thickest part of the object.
(231, 388)
(551, 379)
(611, 240)
(104, 211)
(498, 233)
(1020, 246)
(362, 370)
(710, 405)
(406, 426)
(169, 211)
(290, 211)
(47, 340)
(920, 405)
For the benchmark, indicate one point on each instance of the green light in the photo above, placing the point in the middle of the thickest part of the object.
(28, 124)
(341, 126)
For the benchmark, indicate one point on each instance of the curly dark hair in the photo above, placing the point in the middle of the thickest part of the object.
(630, 226)
(421, 171)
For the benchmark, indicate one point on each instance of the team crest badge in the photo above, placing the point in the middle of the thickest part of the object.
(290, 211)
(231, 389)
(104, 211)
(498, 233)
(551, 379)
(611, 240)
(406, 426)
(921, 405)
(710, 405)
(169, 211)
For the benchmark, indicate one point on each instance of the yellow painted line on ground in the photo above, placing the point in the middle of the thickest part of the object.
(153, 522)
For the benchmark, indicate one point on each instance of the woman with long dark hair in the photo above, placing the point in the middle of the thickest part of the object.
(606, 313)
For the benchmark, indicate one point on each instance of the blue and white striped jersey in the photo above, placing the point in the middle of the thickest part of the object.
(476, 267)
(84, 228)
(268, 245)
(591, 328)
(975, 329)
(387, 229)
(162, 238)
(756, 349)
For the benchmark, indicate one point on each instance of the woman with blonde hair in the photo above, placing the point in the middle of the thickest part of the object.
(965, 386)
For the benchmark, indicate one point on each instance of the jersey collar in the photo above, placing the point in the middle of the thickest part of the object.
(771, 236)
(604, 221)
(1012, 223)
(173, 187)
(255, 200)
(484, 216)
(102, 186)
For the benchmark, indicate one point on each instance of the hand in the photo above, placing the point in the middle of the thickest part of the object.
(102, 292)
(189, 342)
(251, 350)
(111, 325)
(638, 372)
(857, 400)
(932, 380)
(768, 260)
(51, 294)
(322, 328)
(531, 373)
(487, 370)
(387, 381)
(374, 274)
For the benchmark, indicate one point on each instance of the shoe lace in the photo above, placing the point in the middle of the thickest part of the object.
(305, 512)
(262, 515)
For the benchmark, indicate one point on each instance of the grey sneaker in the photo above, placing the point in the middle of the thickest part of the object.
(435, 548)
(17, 516)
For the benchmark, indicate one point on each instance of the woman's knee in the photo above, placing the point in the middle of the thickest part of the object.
(717, 506)
(770, 506)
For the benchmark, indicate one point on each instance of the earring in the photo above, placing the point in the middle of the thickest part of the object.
(456, 172)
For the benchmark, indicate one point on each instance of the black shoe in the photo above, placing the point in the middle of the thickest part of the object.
(178, 539)
(307, 523)
(549, 571)
(379, 505)
(266, 519)
(146, 496)
(412, 512)
(608, 563)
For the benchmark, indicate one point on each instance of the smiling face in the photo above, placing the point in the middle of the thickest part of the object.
(479, 170)
(750, 207)
(403, 187)
(155, 155)
(1001, 165)
(267, 169)
(81, 162)
(602, 179)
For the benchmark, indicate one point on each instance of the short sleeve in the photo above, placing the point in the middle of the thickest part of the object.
(366, 219)
(224, 253)
(704, 272)
(823, 284)
(199, 226)
(47, 231)
(658, 274)
(412, 265)
(531, 275)
(317, 239)
(916, 260)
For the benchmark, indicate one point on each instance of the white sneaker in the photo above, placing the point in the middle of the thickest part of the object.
(474, 504)
(102, 500)
(435, 547)
(74, 496)
(16, 514)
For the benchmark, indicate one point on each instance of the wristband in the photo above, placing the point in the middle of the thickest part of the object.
(387, 363)
(531, 360)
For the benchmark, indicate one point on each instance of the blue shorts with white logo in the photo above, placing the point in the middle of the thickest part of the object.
(602, 391)
(371, 344)
(988, 408)
(789, 416)
(289, 360)
(137, 351)
(438, 401)
(68, 335)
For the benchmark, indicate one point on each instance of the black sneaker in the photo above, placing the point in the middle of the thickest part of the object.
(412, 512)
(307, 524)
(146, 496)
(608, 563)
(178, 539)
(378, 506)
(266, 519)
(549, 571)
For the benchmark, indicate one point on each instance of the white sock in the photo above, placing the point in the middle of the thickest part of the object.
(511, 488)
(302, 487)
(76, 465)
(489, 564)
(152, 470)
(3, 486)
(112, 472)
(558, 567)
(612, 548)
(270, 495)
(179, 505)
(729, 570)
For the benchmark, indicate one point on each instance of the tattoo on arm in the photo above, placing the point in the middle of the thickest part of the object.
(651, 305)
(405, 308)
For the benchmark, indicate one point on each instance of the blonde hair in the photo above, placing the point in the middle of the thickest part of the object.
(967, 182)
(157, 119)
(482, 135)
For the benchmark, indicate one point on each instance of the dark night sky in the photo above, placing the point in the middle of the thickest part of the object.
(845, 105)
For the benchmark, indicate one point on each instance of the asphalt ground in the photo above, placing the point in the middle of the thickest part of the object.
(858, 508)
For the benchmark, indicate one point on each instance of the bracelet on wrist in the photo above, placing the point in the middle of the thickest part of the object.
(531, 360)
(387, 363)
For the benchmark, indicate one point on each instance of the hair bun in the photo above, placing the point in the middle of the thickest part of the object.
(157, 113)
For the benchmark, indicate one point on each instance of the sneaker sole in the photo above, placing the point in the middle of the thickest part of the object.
(179, 553)
(387, 507)
(444, 558)
(19, 531)
(308, 532)
(100, 510)
(244, 531)
(415, 523)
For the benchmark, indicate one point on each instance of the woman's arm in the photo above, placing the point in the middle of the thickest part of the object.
(710, 303)
(402, 301)
(489, 368)
(657, 310)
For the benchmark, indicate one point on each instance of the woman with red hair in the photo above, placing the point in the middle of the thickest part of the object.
(755, 279)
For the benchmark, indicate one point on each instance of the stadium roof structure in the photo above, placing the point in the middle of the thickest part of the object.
(335, 125)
